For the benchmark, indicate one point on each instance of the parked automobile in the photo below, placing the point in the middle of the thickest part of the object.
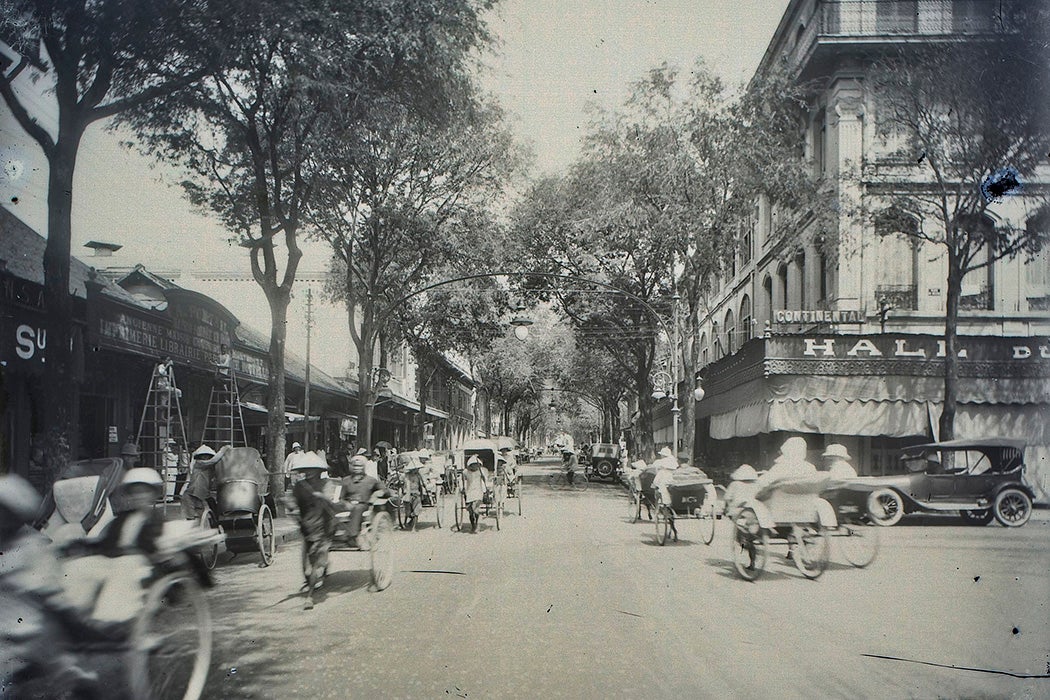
(982, 479)
(606, 462)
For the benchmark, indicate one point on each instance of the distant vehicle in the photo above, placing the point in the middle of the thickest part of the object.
(982, 479)
(606, 460)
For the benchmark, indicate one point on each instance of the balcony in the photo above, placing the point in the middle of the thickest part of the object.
(871, 21)
(976, 301)
(903, 297)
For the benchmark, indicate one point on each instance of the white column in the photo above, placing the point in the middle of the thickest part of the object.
(852, 285)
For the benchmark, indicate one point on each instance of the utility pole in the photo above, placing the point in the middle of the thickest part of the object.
(306, 392)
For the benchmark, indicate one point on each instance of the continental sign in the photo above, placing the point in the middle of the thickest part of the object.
(797, 316)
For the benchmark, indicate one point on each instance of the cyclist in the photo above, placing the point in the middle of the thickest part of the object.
(570, 464)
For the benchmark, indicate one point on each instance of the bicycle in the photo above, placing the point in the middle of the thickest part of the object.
(560, 480)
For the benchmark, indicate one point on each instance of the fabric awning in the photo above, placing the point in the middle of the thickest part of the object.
(289, 416)
(872, 405)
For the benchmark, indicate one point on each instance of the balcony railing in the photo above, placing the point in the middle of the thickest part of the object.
(901, 18)
(897, 296)
(978, 301)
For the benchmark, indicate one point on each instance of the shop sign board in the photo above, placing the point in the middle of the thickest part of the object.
(24, 336)
(185, 332)
(795, 316)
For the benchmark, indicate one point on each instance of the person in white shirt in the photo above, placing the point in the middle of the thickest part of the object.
(790, 464)
(837, 462)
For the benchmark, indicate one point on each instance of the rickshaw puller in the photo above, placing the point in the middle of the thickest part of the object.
(317, 525)
(475, 486)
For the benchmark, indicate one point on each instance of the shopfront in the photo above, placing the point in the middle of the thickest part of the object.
(874, 393)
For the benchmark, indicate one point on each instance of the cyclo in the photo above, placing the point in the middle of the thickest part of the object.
(496, 479)
(790, 511)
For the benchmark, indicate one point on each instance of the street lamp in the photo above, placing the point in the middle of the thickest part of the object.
(521, 323)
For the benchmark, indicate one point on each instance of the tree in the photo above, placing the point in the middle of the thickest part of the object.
(100, 59)
(405, 198)
(977, 138)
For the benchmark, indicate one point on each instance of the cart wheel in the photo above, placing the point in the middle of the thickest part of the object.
(171, 641)
(860, 543)
(439, 505)
(706, 514)
(382, 550)
(750, 545)
(812, 550)
(264, 535)
(209, 555)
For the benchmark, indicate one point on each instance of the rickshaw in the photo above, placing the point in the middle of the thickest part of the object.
(377, 526)
(643, 493)
(242, 507)
(496, 478)
(431, 493)
(790, 511)
(693, 501)
(856, 534)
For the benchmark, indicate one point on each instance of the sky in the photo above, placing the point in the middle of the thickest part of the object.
(554, 60)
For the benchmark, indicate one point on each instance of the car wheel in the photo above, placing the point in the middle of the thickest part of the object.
(885, 507)
(977, 517)
(1013, 507)
(604, 469)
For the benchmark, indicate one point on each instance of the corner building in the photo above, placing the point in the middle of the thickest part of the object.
(794, 342)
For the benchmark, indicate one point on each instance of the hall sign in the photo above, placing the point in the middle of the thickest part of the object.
(798, 316)
(917, 348)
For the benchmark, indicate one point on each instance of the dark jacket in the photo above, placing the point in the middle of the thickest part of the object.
(315, 513)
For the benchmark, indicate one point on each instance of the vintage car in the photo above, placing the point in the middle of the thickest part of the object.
(981, 479)
(605, 460)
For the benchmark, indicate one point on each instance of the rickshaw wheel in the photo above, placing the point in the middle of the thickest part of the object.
(860, 543)
(171, 641)
(750, 546)
(209, 555)
(812, 550)
(636, 507)
(459, 513)
(439, 505)
(517, 493)
(381, 550)
(264, 535)
(663, 525)
(706, 515)
(499, 511)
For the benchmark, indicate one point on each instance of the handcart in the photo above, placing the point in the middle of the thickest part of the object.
(790, 511)
(694, 501)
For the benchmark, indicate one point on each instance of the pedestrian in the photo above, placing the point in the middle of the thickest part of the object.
(316, 524)
(791, 463)
(198, 490)
(129, 454)
(371, 466)
(837, 462)
(382, 460)
(412, 494)
(475, 485)
(294, 457)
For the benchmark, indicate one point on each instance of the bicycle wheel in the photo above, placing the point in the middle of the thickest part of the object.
(812, 550)
(382, 550)
(859, 543)
(580, 482)
(171, 641)
(706, 515)
(556, 481)
(749, 546)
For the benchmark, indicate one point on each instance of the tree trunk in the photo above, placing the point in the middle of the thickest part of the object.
(364, 381)
(275, 421)
(685, 399)
(951, 348)
(422, 382)
(606, 422)
(645, 446)
(61, 391)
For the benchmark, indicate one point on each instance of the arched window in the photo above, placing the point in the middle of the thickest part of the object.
(1037, 270)
(704, 357)
(800, 263)
(745, 319)
(782, 285)
(767, 289)
(729, 331)
(822, 273)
